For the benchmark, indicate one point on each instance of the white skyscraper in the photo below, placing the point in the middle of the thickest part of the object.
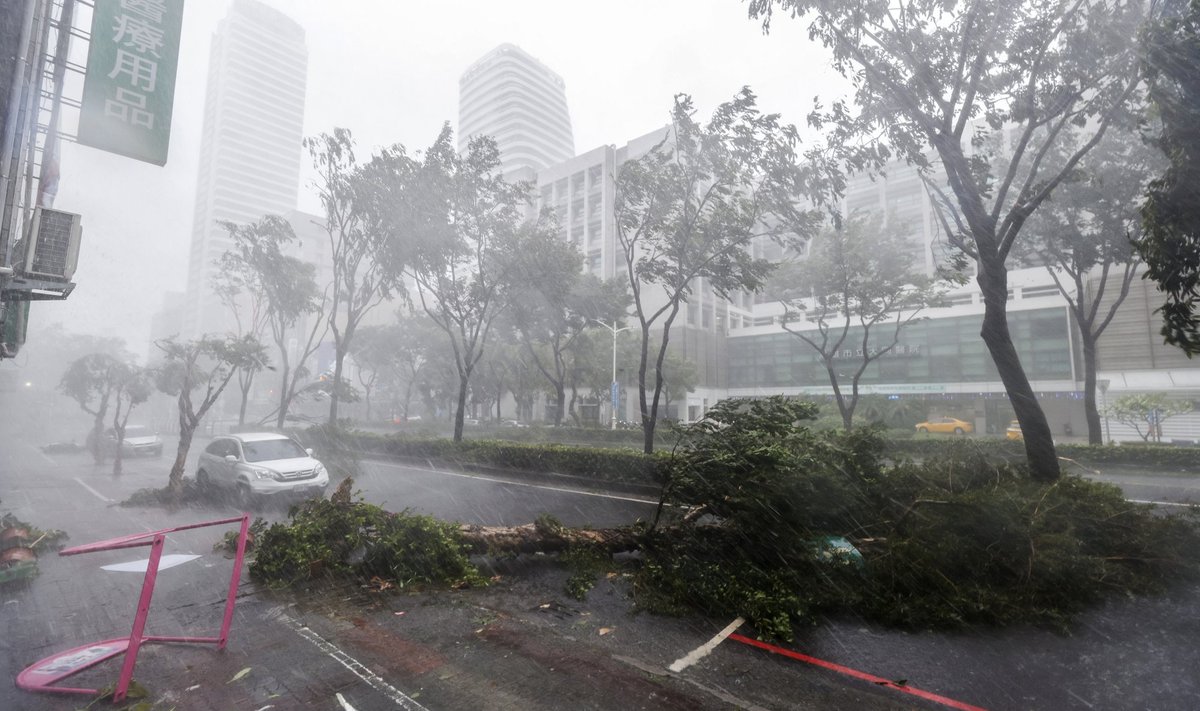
(250, 150)
(517, 100)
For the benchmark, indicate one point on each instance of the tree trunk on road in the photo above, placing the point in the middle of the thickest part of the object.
(530, 538)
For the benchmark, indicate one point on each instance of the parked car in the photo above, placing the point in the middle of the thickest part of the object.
(1014, 430)
(946, 425)
(139, 441)
(513, 423)
(260, 465)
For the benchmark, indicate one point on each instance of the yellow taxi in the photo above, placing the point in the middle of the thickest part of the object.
(1014, 430)
(946, 425)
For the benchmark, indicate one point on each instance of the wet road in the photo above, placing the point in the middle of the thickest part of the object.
(520, 643)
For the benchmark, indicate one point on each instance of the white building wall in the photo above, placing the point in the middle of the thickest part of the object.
(250, 146)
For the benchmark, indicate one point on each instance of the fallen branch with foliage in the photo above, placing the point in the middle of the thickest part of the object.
(750, 509)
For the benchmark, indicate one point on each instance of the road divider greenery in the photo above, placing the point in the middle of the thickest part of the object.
(596, 464)
(1150, 456)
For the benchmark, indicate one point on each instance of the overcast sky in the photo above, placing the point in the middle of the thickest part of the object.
(388, 70)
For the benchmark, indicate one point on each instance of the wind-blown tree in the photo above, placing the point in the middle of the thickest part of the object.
(552, 302)
(378, 353)
(1145, 412)
(420, 349)
(1171, 213)
(938, 76)
(1084, 235)
(91, 381)
(238, 286)
(506, 368)
(280, 289)
(471, 223)
(299, 298)
(688, 211)
(851, 298)
(360, 204)
(132, 388)
(202, 367)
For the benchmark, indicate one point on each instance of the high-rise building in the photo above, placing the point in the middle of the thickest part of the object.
(521, 103)
(250, 149)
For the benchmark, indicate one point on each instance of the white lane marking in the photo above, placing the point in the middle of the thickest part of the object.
(43, 455)
(544, 487)
(95, 493)
(345, 704)
(1159, 503)
(139, 566)
(705, 649)
(373, 680)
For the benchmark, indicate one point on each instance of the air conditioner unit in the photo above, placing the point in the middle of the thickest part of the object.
(52, 248)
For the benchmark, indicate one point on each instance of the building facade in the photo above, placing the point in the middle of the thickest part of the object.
(509, 95)
(739, 347)
(250, 148)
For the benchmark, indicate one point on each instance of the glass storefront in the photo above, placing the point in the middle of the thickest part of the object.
(941, 350)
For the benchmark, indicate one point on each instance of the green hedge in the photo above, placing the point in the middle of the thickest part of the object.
(599, 464)
(1155, 455)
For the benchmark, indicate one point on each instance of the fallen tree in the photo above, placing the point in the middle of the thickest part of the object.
(757, 516)
(545, 536)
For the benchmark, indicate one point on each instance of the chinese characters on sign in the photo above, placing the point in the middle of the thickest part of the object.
(900, 349)
(130, 84)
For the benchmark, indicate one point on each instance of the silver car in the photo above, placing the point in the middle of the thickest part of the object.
(259, 465)
(139, 441)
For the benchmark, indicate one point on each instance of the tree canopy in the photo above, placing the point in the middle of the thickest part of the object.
(1171, 213)
(850, 298)
(471, 226)
(687, 213)
(936, 81)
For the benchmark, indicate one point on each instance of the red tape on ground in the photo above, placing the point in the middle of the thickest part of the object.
(855, 673)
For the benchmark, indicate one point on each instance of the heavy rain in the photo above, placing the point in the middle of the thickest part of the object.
(759, 354)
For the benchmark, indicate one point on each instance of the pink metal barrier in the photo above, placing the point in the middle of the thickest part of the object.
(42, 675)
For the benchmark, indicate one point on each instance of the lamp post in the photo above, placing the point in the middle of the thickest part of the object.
(615, 387)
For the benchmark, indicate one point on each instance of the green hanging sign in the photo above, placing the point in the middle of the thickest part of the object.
(130, 84)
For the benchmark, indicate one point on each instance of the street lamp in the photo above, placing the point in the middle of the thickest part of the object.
(615, 387)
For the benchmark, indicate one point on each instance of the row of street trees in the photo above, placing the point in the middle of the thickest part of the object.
(447, 225)
(1029, 110)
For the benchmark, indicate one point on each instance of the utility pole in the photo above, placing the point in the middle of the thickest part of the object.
(616, 388)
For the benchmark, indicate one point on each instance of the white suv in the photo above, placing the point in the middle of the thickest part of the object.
(258, 465)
